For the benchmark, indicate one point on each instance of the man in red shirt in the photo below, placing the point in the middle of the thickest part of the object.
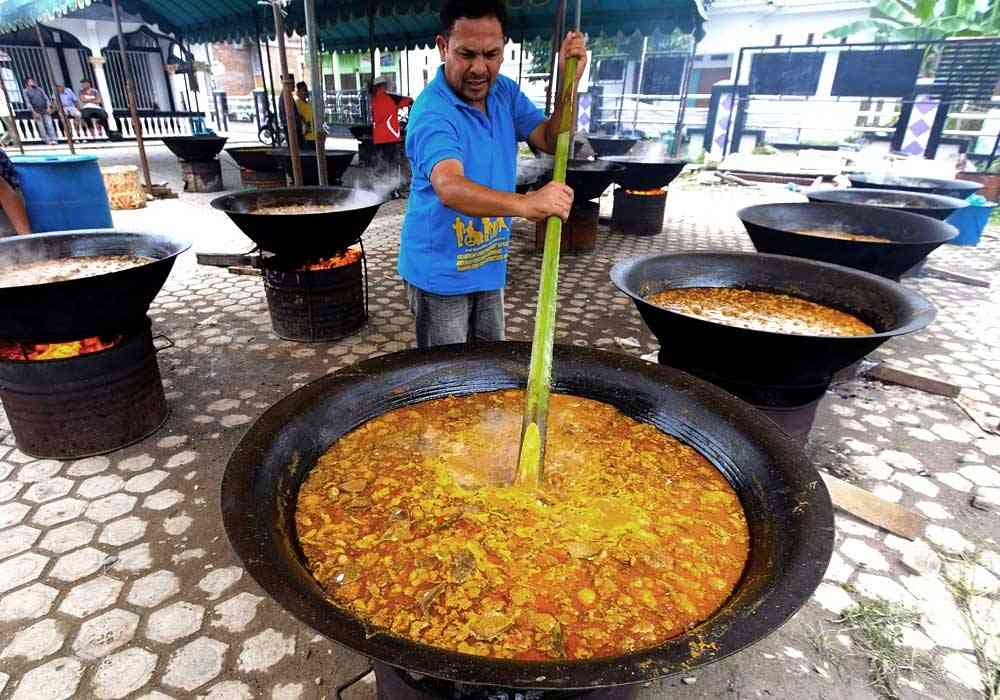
(387, 133)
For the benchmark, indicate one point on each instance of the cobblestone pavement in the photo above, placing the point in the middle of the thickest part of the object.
(117, 581)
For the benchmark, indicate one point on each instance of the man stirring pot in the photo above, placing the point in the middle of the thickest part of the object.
(462, 141)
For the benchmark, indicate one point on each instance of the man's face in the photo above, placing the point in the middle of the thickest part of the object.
(84, 84)
(31, 82)
(472, 54)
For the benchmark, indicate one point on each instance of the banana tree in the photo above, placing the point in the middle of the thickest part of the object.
(922, 20)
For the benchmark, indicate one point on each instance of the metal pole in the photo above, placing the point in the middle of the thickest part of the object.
(554, 52)
(287, 85)
(993, 153)
(319, 93)
(13, 116)
(733, 111)
(682, 107)
(638, 91)
(130, 93)
(270, 75)
(406, 55)
(520, 59)
(58, 98)
(371, 42)
(576, 95)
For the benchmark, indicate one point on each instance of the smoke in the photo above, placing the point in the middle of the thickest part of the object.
(16, 251)
(649, 150)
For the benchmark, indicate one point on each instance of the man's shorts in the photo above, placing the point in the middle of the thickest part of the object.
(72, 112)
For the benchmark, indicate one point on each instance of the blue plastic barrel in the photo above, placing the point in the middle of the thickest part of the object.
(971, 220)
(63, 192)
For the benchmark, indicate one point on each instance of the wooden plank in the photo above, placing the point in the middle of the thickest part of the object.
(227, 259)
(953, 277)
(979, 417)
(249, 271)
(865, 505)
(893, 375)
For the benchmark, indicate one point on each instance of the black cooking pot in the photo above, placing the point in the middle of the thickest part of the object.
(787, 507)
(87, 306)
(611, 145)
(925, 185)
(933, 205)
(256, 158)
(765, 368)
(197, 149)
(301, 236)
(645, 172)
(587, 178)
(337, 163)
(772, 228)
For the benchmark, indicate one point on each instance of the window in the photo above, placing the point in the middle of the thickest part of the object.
(785, 73)
(611, 69)
(348, 81)
(662, 75)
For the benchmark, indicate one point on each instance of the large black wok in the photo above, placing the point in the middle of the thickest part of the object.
(611, 145)
(788, 509)
(301, 235)
(197, 149)
(587, 178)
(772, 228)
(337, 163)
(926, 185)
(645, 172)
(768, 369)
(88, 306)
(256, 158)
(933, 205)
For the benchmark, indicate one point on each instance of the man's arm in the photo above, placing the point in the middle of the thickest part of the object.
(458, 192)
(545, 134)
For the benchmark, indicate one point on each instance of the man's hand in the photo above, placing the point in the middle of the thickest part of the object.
(555, 199)
(575, 44)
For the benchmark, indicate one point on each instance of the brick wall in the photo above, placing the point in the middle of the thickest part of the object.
(232, 68)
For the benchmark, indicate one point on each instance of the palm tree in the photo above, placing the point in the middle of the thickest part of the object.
(922, 20)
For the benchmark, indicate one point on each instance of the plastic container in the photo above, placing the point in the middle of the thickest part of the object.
(63, 192)
(971, 220)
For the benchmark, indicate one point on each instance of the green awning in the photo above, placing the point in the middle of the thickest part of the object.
(344, 23)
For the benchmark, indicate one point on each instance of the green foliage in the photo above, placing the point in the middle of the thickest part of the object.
(538, 52)
(920, 20)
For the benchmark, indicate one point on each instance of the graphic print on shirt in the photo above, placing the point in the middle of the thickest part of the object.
(480, 240)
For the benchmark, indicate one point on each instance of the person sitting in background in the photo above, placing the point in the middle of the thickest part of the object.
(92, 108)
(15, 219)
(307, 120)
(40, 104)
(70, 106)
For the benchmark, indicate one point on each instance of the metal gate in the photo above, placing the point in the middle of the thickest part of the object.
(141, 75)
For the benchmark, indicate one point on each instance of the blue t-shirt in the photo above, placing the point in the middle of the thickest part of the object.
(441, 250)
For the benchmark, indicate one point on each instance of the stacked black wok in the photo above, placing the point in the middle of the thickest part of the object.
(85, 306)
(959, 189)
(645, 172)
(776, 228)
(611, 145)
(260, 159)
(767, 368)
(337, 163)
(196, 149)
(933, 205)
(787, 507)
(301, 236)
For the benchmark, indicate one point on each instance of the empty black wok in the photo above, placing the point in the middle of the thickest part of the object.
(301, 236)
(197, 149)
(765, 368)
(88, 306)
(772, 228)
(926, 185)
(611, 145)
(337, 163)
(787, 507)
(645, 172)
(933, 205)
(256, 158)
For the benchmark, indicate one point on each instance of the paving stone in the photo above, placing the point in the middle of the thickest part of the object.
(93, 595)
(59, 511)
(917, 483)
(38, 471)
(229, 690)
(852, 527)
(864, 554)
(916, 639)
(195, 664)
(104, 634)
(137, 558)
(110, 507)
(176, 621)
(144, 483)
(136, 464)
(287, 691)
(55, 680)
(949, 540)
(873, 586)
(181, 458)
(36, 642)
(919, 558)
(122, 673)
(12, 513)
(981, 475)
(991, 560)
(887, 493)
(236, 613)
(68, 537)
(177, 525)
(28, 603)
(76, 565)
(151, 590)
(9, 489)
(162, 500)
(101, 485)
(4, 679)
(833, 598)
(48, 490)
(901, 460)
(872, 467)
(220, 580)
(933, 510)
(222, 405)
(123, 531)
(940, 617)
(17, 539)
(955, 481)
(88, 466)
(21, 569)
(264, 650)
(975, 576)
(964, 669)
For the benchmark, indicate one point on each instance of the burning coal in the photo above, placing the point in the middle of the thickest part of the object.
(57, 351)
